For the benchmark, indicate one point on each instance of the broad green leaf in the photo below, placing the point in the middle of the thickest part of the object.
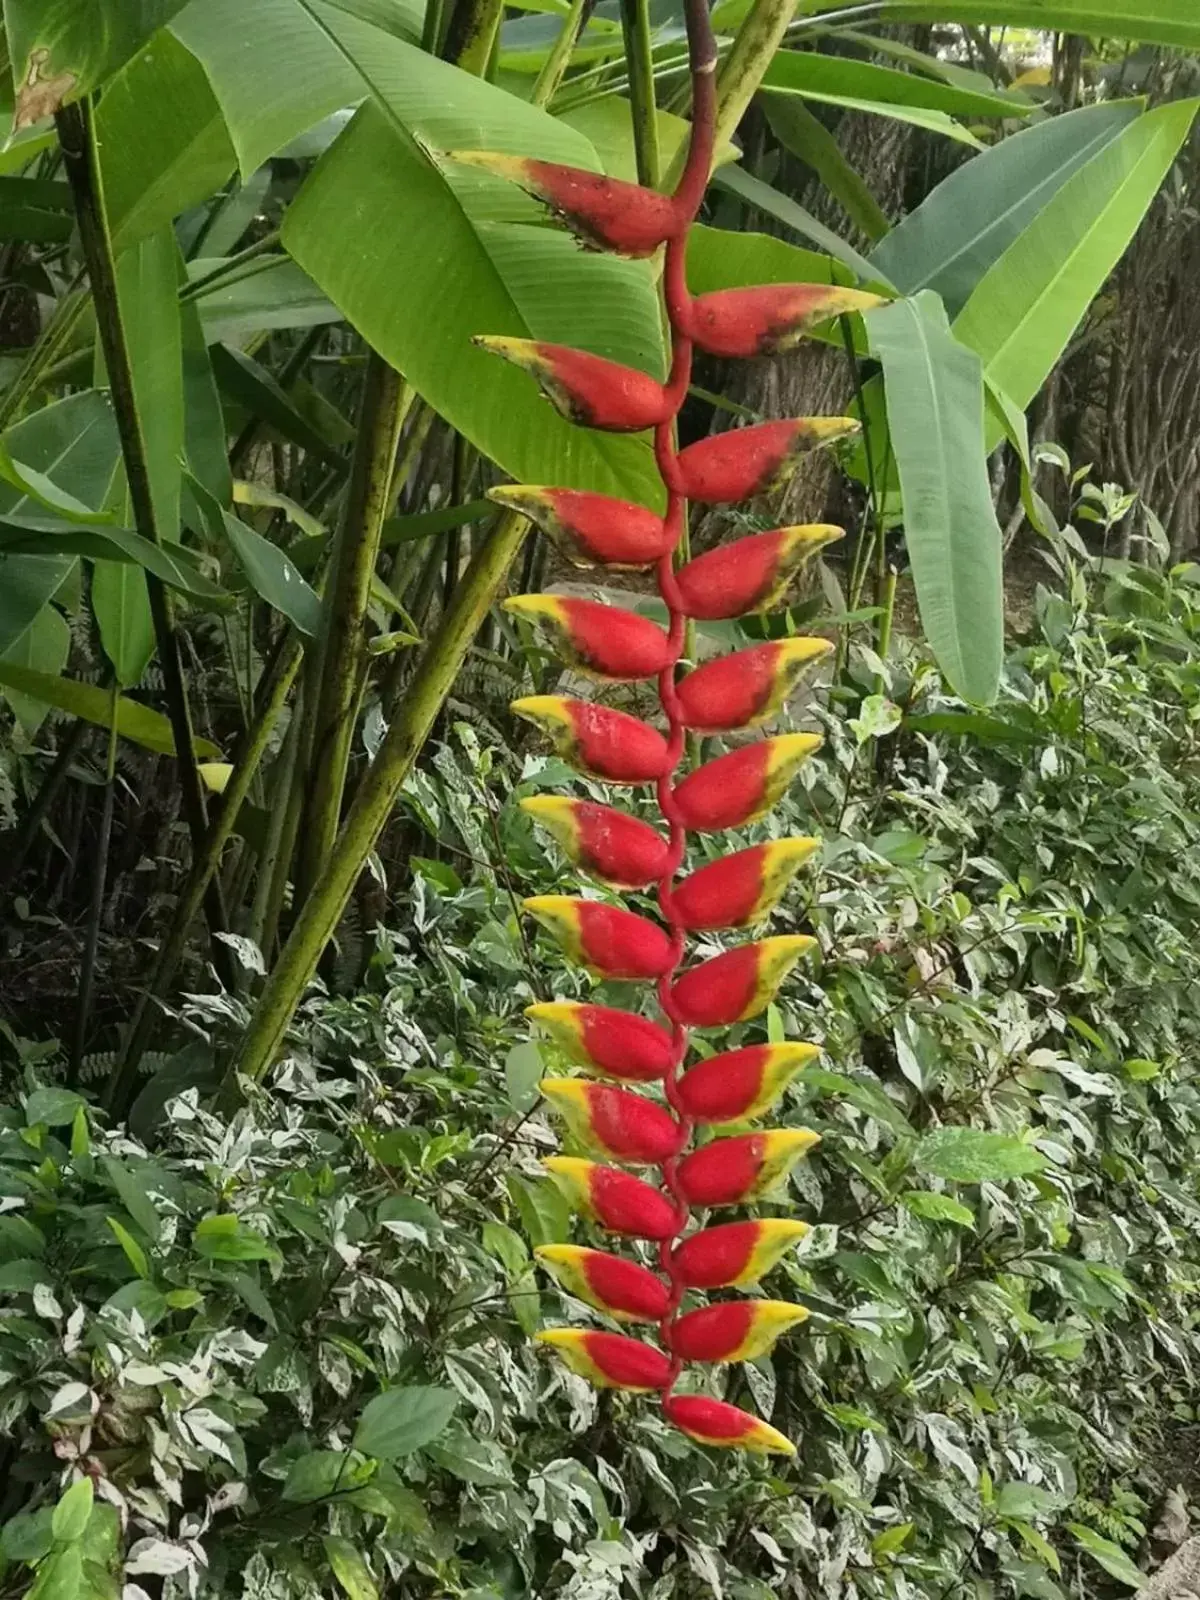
(608, 125)
(134, 1253)
(1110, 1556)
(36, 209)
(27, 583)
(1174, 22)
(130, 1185)
(424, 524)
(816, 76)
(227, 1238)
(275, 295)
(350, 1567)
(60, 1576)
(72, 442)
(61, 49)
(321, 1473)
(401, 1420)
(933, 388)
(258, 495)
(937, 1207)
(975, 1155)
(523, 1070)
(325, 58)
(42, 648)
(1026, 307)
(807, 137)
(480, 1461)
(463, 278)
(53, 1106)
(972, 216)
(121, 605)
(272, 574)
(37, 490)
(72, 1512)
(204, 436)
(28, 1536)
(170, 562)
(544, 1212)
(148, 292)
(134, 721)
(762, 197)
(931, 121)
(243, 380)
(162, 141)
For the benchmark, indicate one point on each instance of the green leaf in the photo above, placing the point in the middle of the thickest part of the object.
(38, 210)
(228, 1238)
(321, 1472)
(148, 293)
(72, 1512)
(55, 1107)
(480, 1461)
(60, 1576)
(273, 575)
(401, 1420)
(334, 59)
(134, 721)
(807, 137)
(937, 1207)
(523, 1071)
(121, 606)
(1158, 21)
(250, 385)
(134, 1253)
(1109, 1555)
(754, 192)
(975, 1155)
(891, 1539)
(170, 562)
(162, 141)
(62, 49)
(933, 388)
(27, 584)
(931, 121)
(130, 1184)
(28, 1536)
(464, 277)
(242, 306)
(545, 1215)
(971, 217)
(1026, 307)
(22, 1276)
(350, 1568)
(839, 77)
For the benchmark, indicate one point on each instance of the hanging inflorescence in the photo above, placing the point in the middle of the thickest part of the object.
(737, 691)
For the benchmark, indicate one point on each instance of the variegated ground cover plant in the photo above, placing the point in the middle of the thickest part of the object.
(291, 1351)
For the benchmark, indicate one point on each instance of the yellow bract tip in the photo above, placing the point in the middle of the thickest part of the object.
(552, 1010)
(564, 1338)
(560, 1254)
(538, 607)
(570, 1092)
(554, 807)
(812, 536)
(542, 708)
(804, 648)
(788, 1142)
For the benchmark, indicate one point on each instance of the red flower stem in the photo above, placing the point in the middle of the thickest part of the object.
(702, 57)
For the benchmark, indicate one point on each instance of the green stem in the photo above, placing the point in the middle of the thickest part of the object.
(44, 356)
(376, 796)
(275, 854)
(556, 63)
(338, 664)
(79, 159)
(639, 57)
(87, 970)
(231, 266)
(204, 868)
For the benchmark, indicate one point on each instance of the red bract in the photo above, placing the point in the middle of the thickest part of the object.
(741, 888)
(752, 573)
(591, 530)
(615, 1043)
(763, 321)
(611, 845)
(607, 641)
(604, 212)
(737, 465)
(742, 786)
(748, 687)
(605, 744)
(735, 889)
(584, 388)
(738, 985)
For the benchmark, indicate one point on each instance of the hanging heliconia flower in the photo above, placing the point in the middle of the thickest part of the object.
(618, 1125)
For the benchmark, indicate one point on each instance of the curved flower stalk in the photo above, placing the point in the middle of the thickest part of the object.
(619, 1125)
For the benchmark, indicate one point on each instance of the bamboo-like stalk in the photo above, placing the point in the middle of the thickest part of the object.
(204, 867)
(754, 47)
(639, 58)
(472, 34)
(337, 665)
(373, 803)
(79, 159)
